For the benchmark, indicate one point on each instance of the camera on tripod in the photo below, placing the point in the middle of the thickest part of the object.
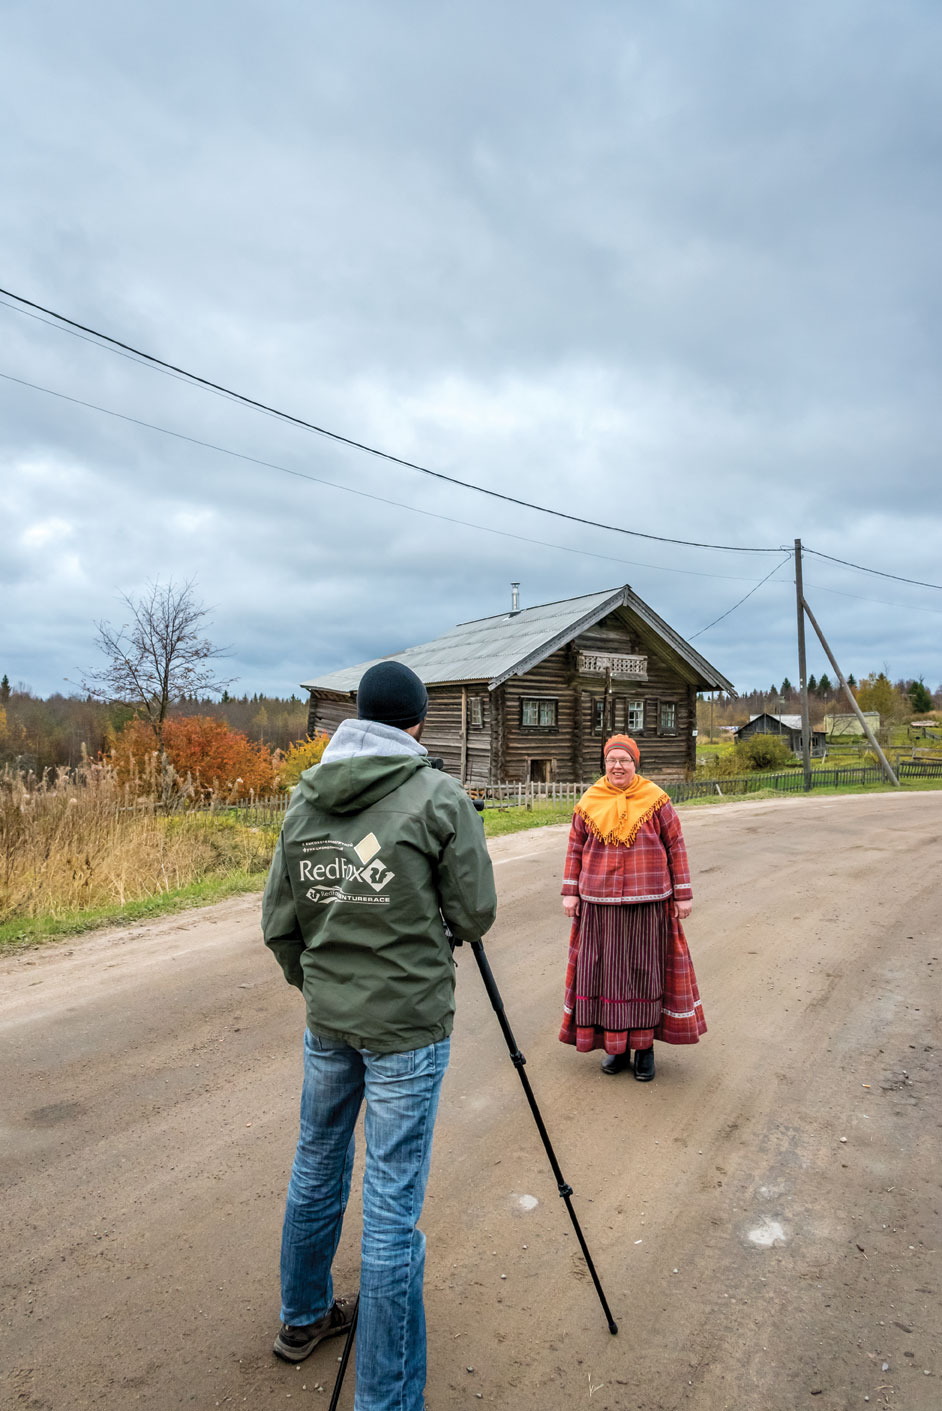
(437, 763)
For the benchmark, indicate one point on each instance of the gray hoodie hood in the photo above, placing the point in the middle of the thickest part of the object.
(359, 737)
(363, 763)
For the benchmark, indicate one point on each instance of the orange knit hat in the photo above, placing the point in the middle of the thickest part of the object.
(623, 742)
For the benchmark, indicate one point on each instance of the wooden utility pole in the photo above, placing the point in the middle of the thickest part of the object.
(802, 671)
(463, 773)
(605, 699)
(851, 698)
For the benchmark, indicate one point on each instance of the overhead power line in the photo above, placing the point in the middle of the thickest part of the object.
(897, 578)
(336, 436)
(752, 590)
(878, 602)
(349, 489)
(63, 324)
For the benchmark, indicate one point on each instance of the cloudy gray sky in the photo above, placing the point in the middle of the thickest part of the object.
(673, 268)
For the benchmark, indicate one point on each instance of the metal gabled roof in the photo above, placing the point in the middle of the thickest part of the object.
(491, 649)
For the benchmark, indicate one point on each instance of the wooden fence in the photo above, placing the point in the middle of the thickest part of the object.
(526, 795)
(270, 812)
(791, 781)
(257, 813)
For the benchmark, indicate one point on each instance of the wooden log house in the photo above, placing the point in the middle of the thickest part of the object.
(529, 695)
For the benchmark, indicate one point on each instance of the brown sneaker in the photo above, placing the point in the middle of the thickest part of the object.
(293, 1344)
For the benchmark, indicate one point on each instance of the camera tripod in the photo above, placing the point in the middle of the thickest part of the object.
(562, 1185)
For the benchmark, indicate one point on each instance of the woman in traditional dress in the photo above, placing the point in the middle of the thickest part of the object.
(626, 889)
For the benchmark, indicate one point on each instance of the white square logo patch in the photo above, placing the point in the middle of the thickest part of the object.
(367, 847)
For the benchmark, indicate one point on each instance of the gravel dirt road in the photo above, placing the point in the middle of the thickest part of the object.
(764, 1216)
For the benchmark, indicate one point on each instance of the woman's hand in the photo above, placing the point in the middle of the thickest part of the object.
(680, 910)
(571, 907)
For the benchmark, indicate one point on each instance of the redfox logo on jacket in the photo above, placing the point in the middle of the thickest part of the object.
(334, 868)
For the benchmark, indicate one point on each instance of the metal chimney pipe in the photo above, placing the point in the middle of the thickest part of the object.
(515, 598)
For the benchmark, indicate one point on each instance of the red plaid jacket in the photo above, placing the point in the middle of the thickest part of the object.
(654, 867)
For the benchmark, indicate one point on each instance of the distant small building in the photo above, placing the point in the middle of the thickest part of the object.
(837, 725)
(788, 726)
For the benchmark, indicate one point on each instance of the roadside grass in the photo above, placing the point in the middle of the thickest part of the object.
(32, 930)
(226, 857)
(80, 853)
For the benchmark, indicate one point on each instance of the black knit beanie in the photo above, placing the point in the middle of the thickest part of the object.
(391, 694)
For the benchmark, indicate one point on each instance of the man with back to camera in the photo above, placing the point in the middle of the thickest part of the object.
(376, 848)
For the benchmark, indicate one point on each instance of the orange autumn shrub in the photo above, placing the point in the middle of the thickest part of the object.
(207, 753)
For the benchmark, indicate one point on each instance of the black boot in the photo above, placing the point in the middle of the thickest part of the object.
(616, 1062)
(644, 1064)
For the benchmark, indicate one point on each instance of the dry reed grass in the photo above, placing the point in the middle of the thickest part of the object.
(79, 840)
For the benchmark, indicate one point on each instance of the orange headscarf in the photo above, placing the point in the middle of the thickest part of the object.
(614, 815)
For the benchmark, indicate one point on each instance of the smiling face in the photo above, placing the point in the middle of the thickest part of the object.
(619, 767)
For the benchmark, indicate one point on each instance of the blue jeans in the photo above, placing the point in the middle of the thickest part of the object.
(401, 1091)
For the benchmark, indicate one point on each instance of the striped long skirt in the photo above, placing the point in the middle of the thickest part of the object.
(630, 980)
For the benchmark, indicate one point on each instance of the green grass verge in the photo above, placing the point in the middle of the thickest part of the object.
(35, 929)
(498, 821)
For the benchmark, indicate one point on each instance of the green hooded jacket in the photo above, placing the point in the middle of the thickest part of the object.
(373, 852)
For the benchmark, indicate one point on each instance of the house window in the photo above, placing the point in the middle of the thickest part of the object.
(476, 711)
(635, 717)
(603, 715)
(667, 718)
(538, 713)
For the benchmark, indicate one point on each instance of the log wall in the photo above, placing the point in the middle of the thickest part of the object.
(467, 753)
(326, 712)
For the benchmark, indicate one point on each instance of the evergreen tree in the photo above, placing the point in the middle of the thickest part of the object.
(824, 685)
(4, 689)
(919, 696)
(852, 681)
(812, 685)
(787, 687)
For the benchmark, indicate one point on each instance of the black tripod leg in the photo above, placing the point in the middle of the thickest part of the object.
(518, 1061)
(345, 1358)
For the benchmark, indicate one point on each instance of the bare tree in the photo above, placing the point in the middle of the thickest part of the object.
(157, 657)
